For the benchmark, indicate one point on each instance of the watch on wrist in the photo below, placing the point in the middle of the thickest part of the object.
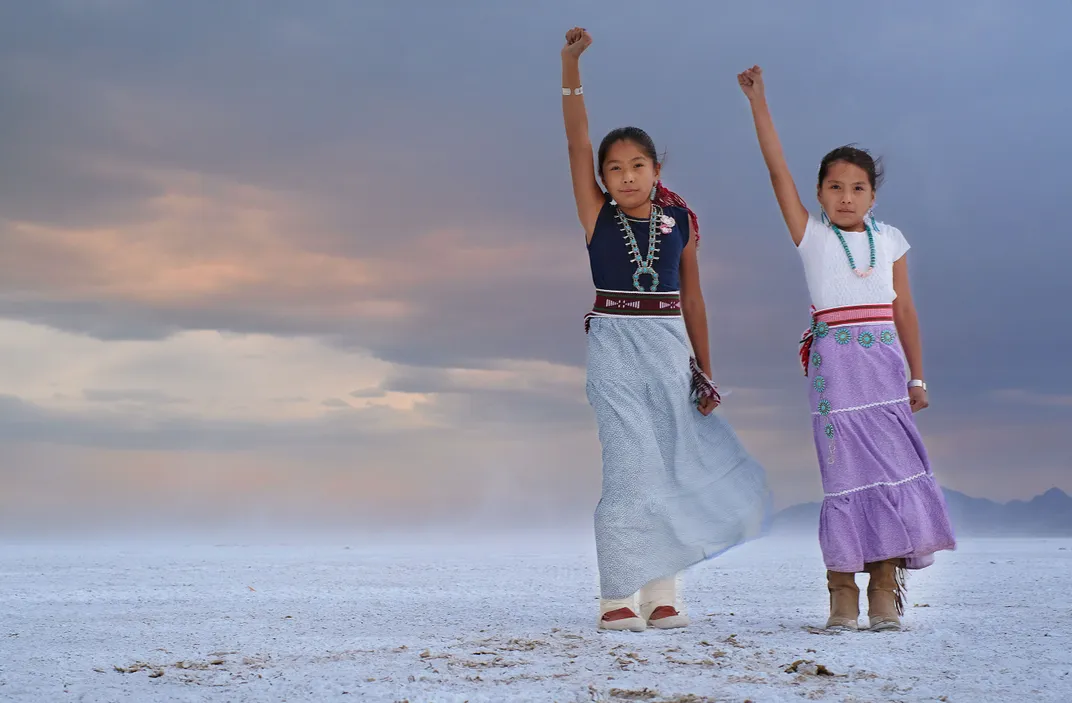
(916, 383)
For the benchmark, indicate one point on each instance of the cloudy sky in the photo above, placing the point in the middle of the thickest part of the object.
(306, 262)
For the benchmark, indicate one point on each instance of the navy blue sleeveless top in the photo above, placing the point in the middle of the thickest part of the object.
(613, 265)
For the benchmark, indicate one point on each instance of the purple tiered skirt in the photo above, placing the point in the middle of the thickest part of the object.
(881, 498)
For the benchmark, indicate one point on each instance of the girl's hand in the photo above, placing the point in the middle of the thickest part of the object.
(917, 399)
(577, 40)
(751, 82)
(707, 406)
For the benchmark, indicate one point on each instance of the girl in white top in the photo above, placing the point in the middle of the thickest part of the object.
(883, 512)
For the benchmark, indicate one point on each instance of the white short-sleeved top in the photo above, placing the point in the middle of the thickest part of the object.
(832, 282)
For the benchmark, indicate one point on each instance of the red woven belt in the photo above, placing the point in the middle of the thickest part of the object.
(626, 303)
(822, 321)
(630, 304)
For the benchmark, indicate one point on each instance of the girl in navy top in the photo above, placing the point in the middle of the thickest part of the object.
(678, 487)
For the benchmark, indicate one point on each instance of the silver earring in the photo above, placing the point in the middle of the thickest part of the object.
(826, 220)
(871, 214)
(653, 189)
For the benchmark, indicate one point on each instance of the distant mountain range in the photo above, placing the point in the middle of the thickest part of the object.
(1046, 515)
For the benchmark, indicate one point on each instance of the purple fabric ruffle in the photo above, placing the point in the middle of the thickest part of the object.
(885, 522)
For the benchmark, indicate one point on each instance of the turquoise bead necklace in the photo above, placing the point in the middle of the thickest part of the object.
(870, 245)
(647, 264)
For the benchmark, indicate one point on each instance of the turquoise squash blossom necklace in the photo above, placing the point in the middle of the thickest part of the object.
(870, 245)
(656, 224)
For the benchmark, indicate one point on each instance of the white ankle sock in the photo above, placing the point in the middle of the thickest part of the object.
(607, 605)
(664, 591)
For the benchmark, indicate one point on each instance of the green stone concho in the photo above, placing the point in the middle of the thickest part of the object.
(647, 264)
(842, 336)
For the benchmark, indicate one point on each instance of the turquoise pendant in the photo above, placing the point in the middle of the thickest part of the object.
(646, 270)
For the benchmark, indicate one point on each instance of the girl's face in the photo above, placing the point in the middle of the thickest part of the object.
(629, 174)
(846, 195)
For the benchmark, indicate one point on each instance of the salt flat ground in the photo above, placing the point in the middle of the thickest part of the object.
(512, 619)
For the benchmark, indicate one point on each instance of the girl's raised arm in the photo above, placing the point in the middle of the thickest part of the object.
(586, 190)
(793, 210)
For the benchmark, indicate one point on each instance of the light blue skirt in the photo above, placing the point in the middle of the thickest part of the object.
(678, 487)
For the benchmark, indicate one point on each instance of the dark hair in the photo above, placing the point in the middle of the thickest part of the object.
(627, 134)
(663, 196)
(850, 154)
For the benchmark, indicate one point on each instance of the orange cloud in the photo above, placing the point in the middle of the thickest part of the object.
(204, 240)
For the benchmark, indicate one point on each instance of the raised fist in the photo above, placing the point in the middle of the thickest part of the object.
(751, 82)
(577, 40)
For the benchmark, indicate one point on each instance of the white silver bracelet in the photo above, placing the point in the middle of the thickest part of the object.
(916, 383)
(576, 91)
